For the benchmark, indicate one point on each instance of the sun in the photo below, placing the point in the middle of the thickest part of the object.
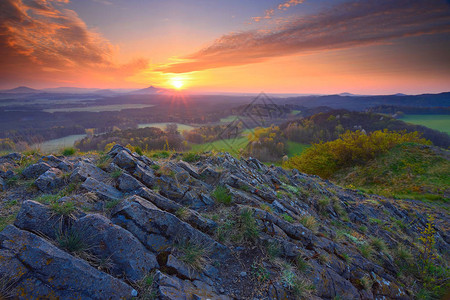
(177, 83)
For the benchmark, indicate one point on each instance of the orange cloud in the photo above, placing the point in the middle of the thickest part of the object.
(345, 25)
(289, 3)
(42, 36)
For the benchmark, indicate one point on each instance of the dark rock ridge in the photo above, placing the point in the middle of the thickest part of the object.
(156, 229)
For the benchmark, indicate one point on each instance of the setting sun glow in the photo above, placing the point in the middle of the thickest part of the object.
(177, 83)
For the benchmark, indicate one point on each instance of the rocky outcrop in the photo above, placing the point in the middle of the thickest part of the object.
(50, 180)
(40, 270)
(35, 170)
(218, 228)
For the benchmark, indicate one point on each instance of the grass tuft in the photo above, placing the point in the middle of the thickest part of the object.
(222, 195)
(195, 255)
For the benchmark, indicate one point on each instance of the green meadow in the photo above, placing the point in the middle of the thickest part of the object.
(437, 122)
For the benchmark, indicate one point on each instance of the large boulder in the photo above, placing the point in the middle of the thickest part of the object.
(35, 170)
(103, 191)
(172, 288)
(2, 184)
(330, 285)
(191, 216)
(124, 160)
(84, 170)
(37, 217)
(50, 180)
(110, 241)
(39, 270)
(56, 162)
(157, 229)
(127, 183)
(12, 157)
(145, 175)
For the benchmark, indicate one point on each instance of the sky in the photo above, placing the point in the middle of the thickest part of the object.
(278, 46)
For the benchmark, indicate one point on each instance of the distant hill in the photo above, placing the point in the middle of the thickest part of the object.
(21, 90)
(326, 126)
(71, 90)
(360, 103)
(151, 90)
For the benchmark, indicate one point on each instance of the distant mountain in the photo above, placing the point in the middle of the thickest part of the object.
(106, 92)
(21, 90)
(151, 90)
(360, 103)
(347, 94)
(70, 90)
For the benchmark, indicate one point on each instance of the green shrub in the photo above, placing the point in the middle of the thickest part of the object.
(288, 218)
(68, 151)
(146, 287)
(366, 250)
(138, 150)
(301, 264)
(325, 159)
(190, 157)
(222, 195)
(116, 173)
(309, 222)
(246, 227)
(183, 213)
(273, 249)
(378, 244)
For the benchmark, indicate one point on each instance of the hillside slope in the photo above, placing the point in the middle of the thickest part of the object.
(123, 225)
(417, 171)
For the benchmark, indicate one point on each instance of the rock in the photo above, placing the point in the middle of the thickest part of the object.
(55, 162)
(243, 274)
(37, 217)
(50, 180)
(116, 149)
(189, 168)
(209, 175)
(384, 288)
(41, 270)
(112, 242)
(192, 217)
(145, 175)
(103, 191)
(35, 170)
(172, 288)
(124, 160)
(128, 183)
(181, 268)
(157, 229)
(84, 170)
(329, 284)
(14, 156)
(2, 185)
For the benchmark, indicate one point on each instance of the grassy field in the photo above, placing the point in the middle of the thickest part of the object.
(228, 119)
(228, 145)
(181, 127)
(234, 145)
(56, 145)
(295, 148)
(438, 122)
